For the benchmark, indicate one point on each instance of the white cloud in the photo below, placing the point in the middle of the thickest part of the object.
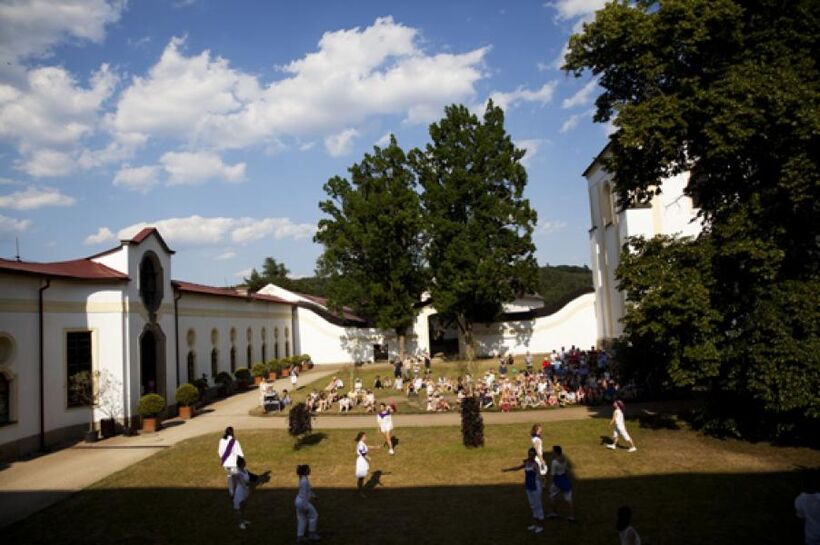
(199, 231)
(610, 128)
(226, 255)
(532, 146)
(141, 179)
(341, 143)
(572, 121)
(195, 167)
(306, 146)
(47, 163)
(32, 27)
(384, 141)
(571, 9)
(103, 234)
(354, 74)
(10, 227)
(548, 227)
(582, 97)
(32, 198)
(511, 99)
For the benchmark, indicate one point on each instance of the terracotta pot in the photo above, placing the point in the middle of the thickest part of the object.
(285, 372)
(150, 425)
(272, 375)
(186, 412)
(257, 381)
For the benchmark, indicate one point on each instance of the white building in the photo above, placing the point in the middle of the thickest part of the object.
(670, 213)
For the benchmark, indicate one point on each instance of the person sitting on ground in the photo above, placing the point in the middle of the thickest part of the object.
(344, 405)
(442, 405)
(285, 401)
(357, 384)
(369, 401)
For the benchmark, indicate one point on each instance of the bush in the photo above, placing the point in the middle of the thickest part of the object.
(259, 370)
(304, 358)
(224, 378)
(472, 423)
(151, 405)
(242, 374)
(187, 395)
(299, 420)
(200, 384)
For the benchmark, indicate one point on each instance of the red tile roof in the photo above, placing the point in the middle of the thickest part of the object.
(200, 289)
(145, 233)
(77, 269)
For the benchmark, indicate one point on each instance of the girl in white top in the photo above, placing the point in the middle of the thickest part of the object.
(538, 445)
(619, 427)
(362, 461)
(228, 451)
(385, 419)
(626, 532)
(294, 378)
(241, 481)
(306, 514)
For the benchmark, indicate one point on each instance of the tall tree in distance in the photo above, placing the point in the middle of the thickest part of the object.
(479, 224)
(273, 272)
(372, 240)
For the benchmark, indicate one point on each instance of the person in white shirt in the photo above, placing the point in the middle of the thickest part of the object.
(241, 486)
(362, 461)
(807, 507)
(619, 427)
(627, 534)
(306, 514)
(538, 445)
(294, 377)
(229, 451)
(385, 420)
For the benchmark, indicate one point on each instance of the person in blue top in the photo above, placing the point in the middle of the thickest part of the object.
(561, 484)
(532, 486)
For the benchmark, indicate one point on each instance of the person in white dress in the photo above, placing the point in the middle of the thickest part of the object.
(228, 451)
(627, 534)
(362, 461)
(306, 514)
(533, 488)
(385, 420)
(241, 489)
(538, 445)
(294, 378)
(619, 427)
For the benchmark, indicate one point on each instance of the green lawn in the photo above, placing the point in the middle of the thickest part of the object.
(684, 489)
(404, 404)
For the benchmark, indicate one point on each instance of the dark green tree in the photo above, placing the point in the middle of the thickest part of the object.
(372, 240)
(273, 272)
(479, 224)
(728, 91)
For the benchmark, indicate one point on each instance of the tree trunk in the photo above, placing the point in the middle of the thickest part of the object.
(401, 336)
(469, 341)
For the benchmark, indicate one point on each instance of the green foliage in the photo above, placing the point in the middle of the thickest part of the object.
(259, 370)
(223, 378)
(479, 225)
(202, 385)
(557, 282)
(727, 91)
(299, 420)
(151, 405)
(372, 240)
(277, 273)
(242, 373)
(187, 395)
(472, 423)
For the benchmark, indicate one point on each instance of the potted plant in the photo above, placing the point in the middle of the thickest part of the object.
(284, 367)
(224, 380)
(307, 361)
(243, 377)
(273, 369)
(149, 408)
(259, 370)
(187, 395)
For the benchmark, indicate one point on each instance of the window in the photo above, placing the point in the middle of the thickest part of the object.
(276, 349)
(233, 359)
(151, 281)
(214, 362)
(607, 211)
(191, 366)
(250, 356)
(264, 352)
(78, 360)
(287, 342)
(5, 400)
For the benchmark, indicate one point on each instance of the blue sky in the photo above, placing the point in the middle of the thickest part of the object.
(219, 121)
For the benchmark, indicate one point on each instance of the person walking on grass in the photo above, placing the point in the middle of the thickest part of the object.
(534, 490)
(538, 445)
(623, 525)
(294, 378)
(619, 427)
(362, 461)
(240, 490)
(385, 419)
(306, 514)
(561, 485)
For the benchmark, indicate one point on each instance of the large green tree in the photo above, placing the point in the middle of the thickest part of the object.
(479, 224)
(273, 272)
(728, 91)
(372, 240)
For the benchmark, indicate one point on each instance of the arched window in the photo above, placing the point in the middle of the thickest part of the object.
(264, 352)
(214, 362)
(276, 342)
(233, 359)
(287, 342)
(191, 366)
(150, 281)
(607, 210)
(5, 400)
(250, 356)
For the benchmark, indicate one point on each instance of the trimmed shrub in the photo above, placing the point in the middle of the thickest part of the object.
(151, 405)
(200, 384)
(187, 395)
(224, 378)
(242, 374)
(472, 423)
(259, 370)
(299, 420)
(304, 358)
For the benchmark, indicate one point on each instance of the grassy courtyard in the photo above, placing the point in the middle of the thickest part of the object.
(684, 488)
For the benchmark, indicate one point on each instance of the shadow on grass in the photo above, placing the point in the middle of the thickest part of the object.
(309, 440)
(658, 421)
(676, 509)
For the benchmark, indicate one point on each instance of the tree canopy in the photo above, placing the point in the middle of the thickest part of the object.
(728, 92)
(372, 240)
(479, 225)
